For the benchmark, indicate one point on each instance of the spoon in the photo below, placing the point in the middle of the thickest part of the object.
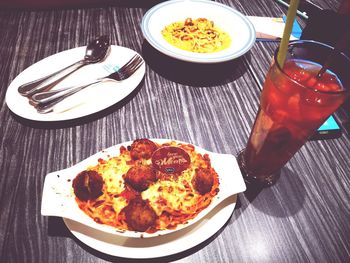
(96, 51)
(58, 198)
(46, 101)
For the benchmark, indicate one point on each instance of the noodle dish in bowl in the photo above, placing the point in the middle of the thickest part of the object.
(198, 31)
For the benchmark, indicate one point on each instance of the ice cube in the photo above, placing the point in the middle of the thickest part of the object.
(311, 82)
(294, 106)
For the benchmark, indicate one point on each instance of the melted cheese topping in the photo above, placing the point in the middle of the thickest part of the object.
(199, 35)
(172, 197)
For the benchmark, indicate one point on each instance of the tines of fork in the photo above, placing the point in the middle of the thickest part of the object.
(44, 102)
(128, 69)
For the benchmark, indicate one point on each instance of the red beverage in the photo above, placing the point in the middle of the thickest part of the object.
(293, 105)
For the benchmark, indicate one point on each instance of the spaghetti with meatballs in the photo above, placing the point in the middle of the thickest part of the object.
(132, 191)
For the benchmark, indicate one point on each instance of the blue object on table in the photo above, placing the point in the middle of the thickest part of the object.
(296, 29)
(329, 124)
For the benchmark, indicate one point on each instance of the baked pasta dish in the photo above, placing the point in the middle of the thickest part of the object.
(148, 187)
(198, 35)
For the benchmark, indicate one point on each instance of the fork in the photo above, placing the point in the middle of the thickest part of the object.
(44, 102)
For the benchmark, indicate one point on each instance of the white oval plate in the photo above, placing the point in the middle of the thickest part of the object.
(238, 26)
(91, 100)
(58, 198)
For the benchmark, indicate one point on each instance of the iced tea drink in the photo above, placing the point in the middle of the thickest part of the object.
(293, 104)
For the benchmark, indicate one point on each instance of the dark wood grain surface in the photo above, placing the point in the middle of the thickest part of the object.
(303, 218)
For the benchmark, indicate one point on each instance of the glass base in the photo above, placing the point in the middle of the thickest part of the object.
(263, 181)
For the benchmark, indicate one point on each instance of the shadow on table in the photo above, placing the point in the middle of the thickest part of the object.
(194, 74)
(57, 227)
(285, 198)
(81, 120)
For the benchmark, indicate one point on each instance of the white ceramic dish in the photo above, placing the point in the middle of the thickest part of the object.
(58, 198)
(91, 100)
(238, 26)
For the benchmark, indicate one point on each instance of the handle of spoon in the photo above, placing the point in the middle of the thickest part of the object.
(49, 81)
(47, 96)
(61, 95)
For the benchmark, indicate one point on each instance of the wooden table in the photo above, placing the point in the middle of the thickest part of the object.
(303, 218)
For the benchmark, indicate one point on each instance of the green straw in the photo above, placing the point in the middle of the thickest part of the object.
(291, 14)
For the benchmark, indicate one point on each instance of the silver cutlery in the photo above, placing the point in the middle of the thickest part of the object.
(45, 101)
(96, 51)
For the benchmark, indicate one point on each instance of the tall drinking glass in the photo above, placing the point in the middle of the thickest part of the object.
(296, 99)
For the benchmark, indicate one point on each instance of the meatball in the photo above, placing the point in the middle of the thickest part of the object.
(88, 185)
(139, 215)
(142, 149)
(203, 180)
(140, 176)
(188, 22)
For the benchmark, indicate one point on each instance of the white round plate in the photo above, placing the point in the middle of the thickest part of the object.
(58, 200)
(142, 248)
(88, 101)
(240, 29)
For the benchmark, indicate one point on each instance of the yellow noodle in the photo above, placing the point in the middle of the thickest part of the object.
(199, 35)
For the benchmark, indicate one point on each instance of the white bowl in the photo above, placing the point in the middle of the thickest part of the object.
(231, 21)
